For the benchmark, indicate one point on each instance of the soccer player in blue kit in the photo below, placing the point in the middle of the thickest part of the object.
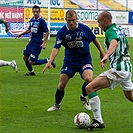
(37, 28)
(75, 37)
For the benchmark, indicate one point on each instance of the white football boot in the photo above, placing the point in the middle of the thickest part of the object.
(54, 107)
(85, 102)
(14, 65)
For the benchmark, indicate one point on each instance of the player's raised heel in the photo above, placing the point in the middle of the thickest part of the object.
(85, 102)
(95, 124)
(54, 107)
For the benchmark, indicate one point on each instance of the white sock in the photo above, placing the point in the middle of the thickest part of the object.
(5, 63)
(96, 108)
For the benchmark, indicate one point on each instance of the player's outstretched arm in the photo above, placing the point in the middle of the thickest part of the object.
(52, 57)
(99, 47)
(112, 47)
(45, 40)
(103, 61)
(23, 33)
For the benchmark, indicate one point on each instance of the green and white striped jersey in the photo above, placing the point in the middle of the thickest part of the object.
(1, 21)
(120, 59)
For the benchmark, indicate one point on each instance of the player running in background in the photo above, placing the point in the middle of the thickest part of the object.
(3, 62)
(120, 71)
(37, 28)
(75, 37)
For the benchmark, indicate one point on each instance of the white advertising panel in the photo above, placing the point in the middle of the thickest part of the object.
(120, 17)
(44, 3)
(128, 29)
(87, 15)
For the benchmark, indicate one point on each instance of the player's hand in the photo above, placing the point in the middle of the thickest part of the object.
(43, 45)
(47, 66)
(103, 61)
(102, 54)
(102, 64)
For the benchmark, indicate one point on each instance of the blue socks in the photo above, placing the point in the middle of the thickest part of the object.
(83, 89)
(58, 96)
(29, 66)
(40, 62)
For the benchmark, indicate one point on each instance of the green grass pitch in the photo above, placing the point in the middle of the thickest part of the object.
(24, 100)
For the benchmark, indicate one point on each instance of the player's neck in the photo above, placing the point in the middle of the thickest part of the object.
(37, 17)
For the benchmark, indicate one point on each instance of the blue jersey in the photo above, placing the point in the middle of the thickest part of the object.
(76, 43)
(37, 27)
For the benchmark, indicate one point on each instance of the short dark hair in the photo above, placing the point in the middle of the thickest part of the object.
(107, 15)
(71, 13)
(36, 7)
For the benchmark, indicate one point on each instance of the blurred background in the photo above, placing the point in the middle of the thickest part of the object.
(18, 12)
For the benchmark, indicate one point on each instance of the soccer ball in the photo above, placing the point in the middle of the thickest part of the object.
(82, 120)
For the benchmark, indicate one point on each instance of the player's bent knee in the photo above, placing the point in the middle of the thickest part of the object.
(25, 59)
(31, 63)
(88, 80)
(89, 90)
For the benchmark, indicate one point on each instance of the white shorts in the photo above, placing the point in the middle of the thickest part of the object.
(122, 78)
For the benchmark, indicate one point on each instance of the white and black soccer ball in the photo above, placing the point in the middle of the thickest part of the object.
(82, 120)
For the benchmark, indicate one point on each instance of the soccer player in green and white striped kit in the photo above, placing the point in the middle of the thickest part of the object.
(120, 71)
(3, 62)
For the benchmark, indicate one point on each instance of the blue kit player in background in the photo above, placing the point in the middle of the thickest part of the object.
(75, 37)
(37, 28)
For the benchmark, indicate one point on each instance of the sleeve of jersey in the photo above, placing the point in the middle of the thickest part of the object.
(111, 35)
(44, 26)
(59, 39)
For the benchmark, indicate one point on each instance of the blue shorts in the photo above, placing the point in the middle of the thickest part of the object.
(72, 70)
(32, 50)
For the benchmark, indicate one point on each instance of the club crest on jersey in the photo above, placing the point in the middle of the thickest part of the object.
(36, 24)
(80, 34)
(68, 37)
